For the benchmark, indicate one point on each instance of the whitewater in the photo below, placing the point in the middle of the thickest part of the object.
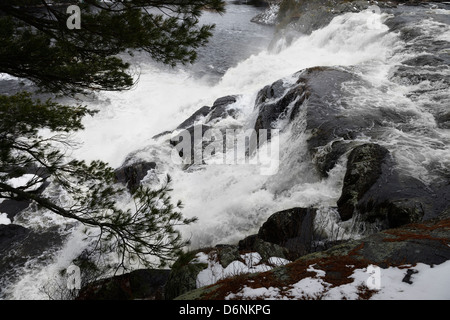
(232, 201)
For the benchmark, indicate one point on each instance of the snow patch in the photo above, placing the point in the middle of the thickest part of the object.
(251, 263)
(4, 218)
(427, 283)
(26, 180)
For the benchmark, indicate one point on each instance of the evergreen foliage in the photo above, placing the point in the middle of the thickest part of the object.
(37, 45)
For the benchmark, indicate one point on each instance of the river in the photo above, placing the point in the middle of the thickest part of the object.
(232, 201)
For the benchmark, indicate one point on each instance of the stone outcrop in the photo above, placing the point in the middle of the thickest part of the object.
(374, 187)
(132, 174)
(142, 284)
(411, 244)
(291, 229)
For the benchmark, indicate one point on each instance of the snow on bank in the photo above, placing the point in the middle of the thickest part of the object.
(419, 282)
(215, 271)
(30, 182)
(4, 218)
(27, 182)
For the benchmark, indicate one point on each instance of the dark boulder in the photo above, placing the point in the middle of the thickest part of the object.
(274, 103)
(221, 109)
(200, 113)
(227, 253)
(266, 249)
(292, 229)
(183, 275)
(146, 284)
(10, 234)
(327, 158)
(191, 151)
(363, 170)
(13, 207)
(316, 95)
(132, 174)
(377, 192)
(397, 199)
(443, 120)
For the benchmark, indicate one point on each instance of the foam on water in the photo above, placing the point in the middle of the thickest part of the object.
(231, 201)
(164, 98)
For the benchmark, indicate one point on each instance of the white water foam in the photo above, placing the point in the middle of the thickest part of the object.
(231, 202)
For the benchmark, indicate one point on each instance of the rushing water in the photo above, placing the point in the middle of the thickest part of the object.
(231, 201)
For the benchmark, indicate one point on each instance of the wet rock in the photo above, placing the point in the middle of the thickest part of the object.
(221, 109)
(227, 254)
(314, 102)
(269, 16)
(266, 249)
(132, 174)
(191, 150)
(397, 199)
(443, 120)
(218, 111)
(183, 276)
(274, 103)
(13, 207)
(376, 192)
(327, 158)
(147, 284)
(292, 229)
(425, 60)
(200, 113)
(363, 170)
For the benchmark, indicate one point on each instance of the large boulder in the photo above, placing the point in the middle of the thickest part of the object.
(314, 102)
(292, 229)
(222, 109)
(364, 168)
(132, 174)
(317, 103)
(183, 275)
(265, 249)
(376, 192)
(12, 207)
(10, 234)
(195, 127)
(142, 284)
(196, 116)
